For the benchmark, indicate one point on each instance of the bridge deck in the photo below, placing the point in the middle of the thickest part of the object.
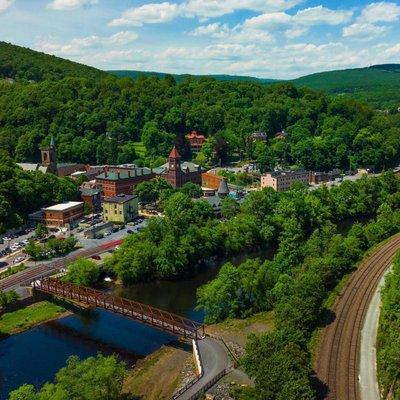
(164, 320)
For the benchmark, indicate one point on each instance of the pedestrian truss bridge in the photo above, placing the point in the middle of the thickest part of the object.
(180, 326)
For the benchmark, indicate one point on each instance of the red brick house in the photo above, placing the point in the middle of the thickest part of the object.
(196, 141)
(62, 214)
(122, 181)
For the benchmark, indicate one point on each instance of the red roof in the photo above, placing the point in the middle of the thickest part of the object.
(174, 153)
(195, 134)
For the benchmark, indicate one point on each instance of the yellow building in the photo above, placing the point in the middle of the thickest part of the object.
(120, 209)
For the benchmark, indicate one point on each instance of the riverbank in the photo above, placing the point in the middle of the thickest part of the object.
(26, 318)
(158, 375)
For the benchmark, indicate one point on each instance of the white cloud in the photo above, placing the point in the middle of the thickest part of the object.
(269, 20)
(215, 30)
(5, 4)
(363, 31)
(80, 46)
(70, 4)
(238, 34)
(380, 12)
(122, 38)
(296, 32)
(307, 17)
(217, 8)
(393, 51)
(154, 13)
(321, 15)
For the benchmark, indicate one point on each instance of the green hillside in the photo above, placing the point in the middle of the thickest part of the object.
(379, 85)
(181, 77)
(23, 64)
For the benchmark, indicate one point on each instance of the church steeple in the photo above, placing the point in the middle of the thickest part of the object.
(49, 157)
(174, 168)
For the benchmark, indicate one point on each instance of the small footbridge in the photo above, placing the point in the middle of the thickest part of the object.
(166, 321)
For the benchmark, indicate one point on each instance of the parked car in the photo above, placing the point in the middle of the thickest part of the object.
(129, 231)
(107, 234)
(96, 257)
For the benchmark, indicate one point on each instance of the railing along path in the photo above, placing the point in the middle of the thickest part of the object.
(149, 315)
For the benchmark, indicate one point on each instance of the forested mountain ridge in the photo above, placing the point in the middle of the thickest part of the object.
(98, 121)
(378, 85)
(23, 64)
(180, 77)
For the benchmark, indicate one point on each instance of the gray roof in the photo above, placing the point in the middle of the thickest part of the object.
(32, 167)
(120, 199)
(89, 191)
(185, 166)
(124, 174)
(223, 189)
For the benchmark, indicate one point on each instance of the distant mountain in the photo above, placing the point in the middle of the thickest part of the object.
(378, 84)
(22, 64)
(180, 77)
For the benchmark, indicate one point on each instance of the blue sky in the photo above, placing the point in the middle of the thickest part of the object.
(264, 38)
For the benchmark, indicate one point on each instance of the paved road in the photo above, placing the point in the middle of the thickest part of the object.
(369, 388)
(214, 358)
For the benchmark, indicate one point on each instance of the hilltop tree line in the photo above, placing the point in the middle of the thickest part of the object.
(102, 120)
(25, 65)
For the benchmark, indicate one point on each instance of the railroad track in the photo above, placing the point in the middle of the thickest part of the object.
(42, 270)
(337, 365)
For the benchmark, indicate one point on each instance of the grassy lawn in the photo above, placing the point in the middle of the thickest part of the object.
(26, 318)
(238, 330)
(157, 376)
(140, 149)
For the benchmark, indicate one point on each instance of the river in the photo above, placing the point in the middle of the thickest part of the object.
(36, 355)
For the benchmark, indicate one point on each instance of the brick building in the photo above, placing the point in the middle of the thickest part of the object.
(283, 180)
(91, 197)
(177, 173)
(115, 181)
(196, 141)
(62, 214)
(321, 177)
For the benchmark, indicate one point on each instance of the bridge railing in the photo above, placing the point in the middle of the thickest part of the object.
(153, 316)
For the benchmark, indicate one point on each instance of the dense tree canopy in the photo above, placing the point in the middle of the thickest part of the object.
(103, 120)
(95, 378)
(26, 65)
(22, 192)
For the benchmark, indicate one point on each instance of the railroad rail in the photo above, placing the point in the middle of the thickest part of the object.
(144, 313)
(41, 270)
(338, 360)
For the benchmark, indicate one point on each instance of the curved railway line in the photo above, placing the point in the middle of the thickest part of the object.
(337, 365)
